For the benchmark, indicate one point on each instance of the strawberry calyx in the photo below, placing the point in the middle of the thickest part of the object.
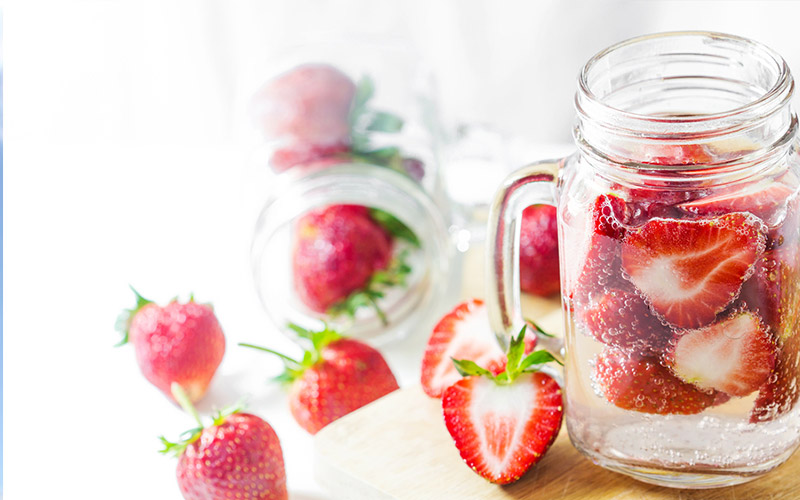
(394, 226)
(517, 362)
(176, 448)
(365, 120)
(293, 368)
(126, 316)
(394, 275)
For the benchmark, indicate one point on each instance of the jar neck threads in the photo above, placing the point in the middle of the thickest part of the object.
(696, 102)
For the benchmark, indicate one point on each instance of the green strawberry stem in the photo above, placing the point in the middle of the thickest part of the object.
(394, 275)
(192, 435)
(517, 363)
(124, 319)
(183, 400)
(294, 369)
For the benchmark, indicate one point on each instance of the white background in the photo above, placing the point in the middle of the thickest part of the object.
(126, 153)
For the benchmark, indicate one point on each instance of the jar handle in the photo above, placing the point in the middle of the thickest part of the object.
(534, 184)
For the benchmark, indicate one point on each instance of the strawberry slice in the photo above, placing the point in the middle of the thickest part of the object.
(599, 264)
(502, 425)
(735, 355)
(643, 384)
(772, 291)
(690, 270)
(781, 391)
(622, 319)
(768, 203)
(463, 333)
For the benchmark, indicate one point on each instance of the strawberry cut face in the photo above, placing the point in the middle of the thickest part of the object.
(691, 270)
(765, 202)
(463, 333)
(734, 355)
(501, 431)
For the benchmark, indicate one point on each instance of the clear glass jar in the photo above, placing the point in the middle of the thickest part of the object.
(679, 233)
(350, 156)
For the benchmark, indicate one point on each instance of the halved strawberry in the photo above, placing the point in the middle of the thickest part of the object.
(781, 391)
(767, 202)
(599, 265)
(735, 355)
(690, 270)
(622, 319)
(502, 425)
(769, 290)
(643, 384)
(463, 333)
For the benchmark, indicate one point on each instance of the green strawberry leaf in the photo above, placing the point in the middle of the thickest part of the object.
(394, 275)
(468, 368)
(382, 121)
(538, 328)
(534, 359)
(123, 322)
(394, 226)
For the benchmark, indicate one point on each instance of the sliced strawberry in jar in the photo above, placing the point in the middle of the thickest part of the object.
(622, 319)
(781, 391)
(643, 384)
(463, 333)
(691, 270)
(735, 355)
(767, 202)
(599, 267)
(762, 292)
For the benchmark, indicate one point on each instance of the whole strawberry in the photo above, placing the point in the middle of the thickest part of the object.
(306, 112)
(180, 343)
(342, 258)
(336, 376)
(538, 251)
(238, 456)
(503, 424)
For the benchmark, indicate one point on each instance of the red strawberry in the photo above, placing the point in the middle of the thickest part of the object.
(336, 376)
(306, 107)
(782, 390)
(643, 384)
(598, 263)
(735, 355)
(502, 425)
(238, 456)
(337, 250)
(767, 202)
(180, 343)
(690, 270)
(622, 319)
(538, 253)
(463, 333)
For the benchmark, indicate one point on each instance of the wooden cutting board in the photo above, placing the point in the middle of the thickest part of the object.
(398, 448)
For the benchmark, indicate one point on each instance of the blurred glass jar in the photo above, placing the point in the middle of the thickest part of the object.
(354, 230)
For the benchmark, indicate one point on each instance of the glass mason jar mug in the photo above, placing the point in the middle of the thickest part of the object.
(679, 230)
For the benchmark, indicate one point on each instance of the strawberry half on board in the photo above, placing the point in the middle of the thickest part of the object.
(180, 343)
(463, 333)
(735, 355)
(237, 456)
(644, 384)
(503, 424)
(335, 376)
(691, 270)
